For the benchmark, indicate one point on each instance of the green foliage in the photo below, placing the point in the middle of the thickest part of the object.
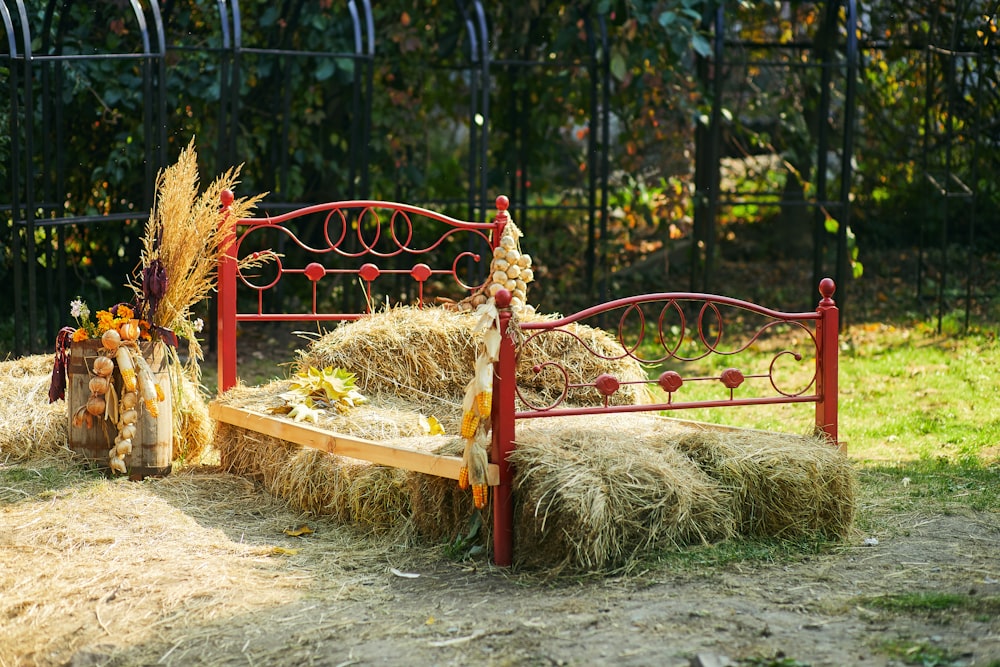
(934, 602)
(921, 653)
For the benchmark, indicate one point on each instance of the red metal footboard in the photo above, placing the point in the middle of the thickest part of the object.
(339, 247)
(671, 329)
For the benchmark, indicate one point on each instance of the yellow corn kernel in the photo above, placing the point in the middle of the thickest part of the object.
(484, 402)
(480, 494)
(128, 378)
(470, 422)
(151, 407)
(159, 393)
(463, 478)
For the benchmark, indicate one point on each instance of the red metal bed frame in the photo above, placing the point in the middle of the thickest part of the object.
(392, 225)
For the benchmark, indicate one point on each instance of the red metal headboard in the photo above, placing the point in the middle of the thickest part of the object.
(348, 241)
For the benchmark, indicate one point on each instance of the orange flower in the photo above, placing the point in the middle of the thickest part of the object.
(125, 313)
(80, 334)
(105, 321)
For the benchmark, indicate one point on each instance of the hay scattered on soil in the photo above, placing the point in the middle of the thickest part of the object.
(429, 353)
(95, 570)
(30, 426)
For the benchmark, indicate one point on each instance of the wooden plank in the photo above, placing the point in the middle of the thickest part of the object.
(344, 445)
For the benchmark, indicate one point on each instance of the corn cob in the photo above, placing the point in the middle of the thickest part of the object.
(148, 389)
(484, 401)
(480, 495)
(126, 367)
(463, 478)
(470, 422)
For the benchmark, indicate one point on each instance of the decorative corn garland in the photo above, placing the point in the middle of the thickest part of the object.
(138, 384)
(510, 269)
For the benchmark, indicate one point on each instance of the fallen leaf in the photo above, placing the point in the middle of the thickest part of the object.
(282, 551)
(431, 426)
(299, 531)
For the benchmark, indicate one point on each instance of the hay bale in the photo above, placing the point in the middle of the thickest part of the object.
(373, 496)
(193, 428)
(781, 485)
(428, 354)
(598, 493)
(591, 494)
(30, 426)
(383, 417)
(440, 510)
(401, 351)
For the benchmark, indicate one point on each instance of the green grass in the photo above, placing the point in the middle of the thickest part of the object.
(922, 653)
(905, 394)
(738, 551)
(934, 602)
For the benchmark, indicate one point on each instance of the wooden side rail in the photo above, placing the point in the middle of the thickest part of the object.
(344, 445)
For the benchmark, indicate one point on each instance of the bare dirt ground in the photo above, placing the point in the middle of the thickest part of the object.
(195, 569)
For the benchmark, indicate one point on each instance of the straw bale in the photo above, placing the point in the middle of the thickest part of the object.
(592, 493)
(193, 428)
(781, 485)
(429, 353)
(402, 351)
(383, 417)
(598, 493)
(354, 491)
(29, 425)
(441, 510)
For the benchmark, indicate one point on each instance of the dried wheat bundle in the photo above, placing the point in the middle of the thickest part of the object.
(184, 240)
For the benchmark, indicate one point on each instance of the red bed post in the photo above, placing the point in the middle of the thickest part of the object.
(226, 324)
(827, 330)
(502, 417)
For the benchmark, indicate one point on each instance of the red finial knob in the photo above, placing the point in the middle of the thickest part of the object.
(502, 203)
(826, 290)
(502, 298)
(226, 197)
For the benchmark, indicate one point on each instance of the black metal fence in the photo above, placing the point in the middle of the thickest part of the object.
(76, 71)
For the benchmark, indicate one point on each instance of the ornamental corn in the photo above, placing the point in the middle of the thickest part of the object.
(126, 367)
(463, 478)
(484, 402)
(480, 494)
(470, 422)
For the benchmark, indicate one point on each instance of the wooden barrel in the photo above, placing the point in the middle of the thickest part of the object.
(152, 446)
